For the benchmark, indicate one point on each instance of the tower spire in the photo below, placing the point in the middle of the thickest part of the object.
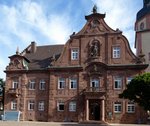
(17, 51)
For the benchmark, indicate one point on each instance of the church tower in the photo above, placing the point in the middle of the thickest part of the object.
(142, 29)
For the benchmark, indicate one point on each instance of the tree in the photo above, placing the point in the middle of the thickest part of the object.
(138, 91)
(1, 86)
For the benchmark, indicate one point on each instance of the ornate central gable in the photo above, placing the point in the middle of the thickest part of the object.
(96, 25)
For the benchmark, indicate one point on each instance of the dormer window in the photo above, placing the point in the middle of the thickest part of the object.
(74, 54)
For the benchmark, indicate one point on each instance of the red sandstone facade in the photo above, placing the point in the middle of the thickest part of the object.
(78, 81)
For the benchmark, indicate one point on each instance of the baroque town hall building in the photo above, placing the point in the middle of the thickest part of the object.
(78, 81)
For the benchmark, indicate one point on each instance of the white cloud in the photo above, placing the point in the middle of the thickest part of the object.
(28, 20)
(120, 14)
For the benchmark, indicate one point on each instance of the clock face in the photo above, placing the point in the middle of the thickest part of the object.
(142, 26)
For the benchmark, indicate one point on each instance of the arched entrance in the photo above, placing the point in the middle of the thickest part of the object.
(94, 113)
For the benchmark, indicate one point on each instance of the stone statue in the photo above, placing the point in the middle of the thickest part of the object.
(95, 9)
(94, 49)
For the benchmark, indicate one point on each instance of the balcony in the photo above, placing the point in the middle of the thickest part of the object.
(94, 89)
(94, 92)
(13, 91)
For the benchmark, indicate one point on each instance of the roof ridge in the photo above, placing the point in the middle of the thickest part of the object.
(51, 45)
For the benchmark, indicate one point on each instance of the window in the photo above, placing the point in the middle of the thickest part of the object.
(72, 106)
(74, 54)
(15, 85)
(31, 105)
(130, 107)
(14, 105)
(129, 79)
(32, 85)
(60, 106)
(41, 106)
(61, 83)
(95, 83)
(117, 107)
(73, 83)
(42, 85)
(116, 52)
(117, 83)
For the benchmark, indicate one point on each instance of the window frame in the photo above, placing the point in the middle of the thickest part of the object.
(95, 83)
(32, 85)
(41, 106)
(130, 107)
(42, 85)
(119, 83)
(31, 105)
(58, 106)
(73, 83)
(72, 106)
(116, 52)
(61, 83)
(15, 84)
(117, 107)
(129, 79)
(74, 54)
(13, 105)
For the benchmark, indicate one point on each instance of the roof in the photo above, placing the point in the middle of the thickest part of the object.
(43, 56)
(144, 11)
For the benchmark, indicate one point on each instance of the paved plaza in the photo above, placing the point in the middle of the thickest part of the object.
(27, 123)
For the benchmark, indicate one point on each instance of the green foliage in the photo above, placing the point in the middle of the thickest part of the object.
(138, 90)
(1, 82)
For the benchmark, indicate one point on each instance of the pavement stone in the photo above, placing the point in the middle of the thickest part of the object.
(29, 123)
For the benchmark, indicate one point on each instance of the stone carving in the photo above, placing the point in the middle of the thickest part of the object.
(94, 49)
(17, 64)
(95, 27)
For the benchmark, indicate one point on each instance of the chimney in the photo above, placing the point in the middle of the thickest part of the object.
(33, 47)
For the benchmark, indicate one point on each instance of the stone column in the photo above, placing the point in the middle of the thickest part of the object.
(87, 109)
(103, 110)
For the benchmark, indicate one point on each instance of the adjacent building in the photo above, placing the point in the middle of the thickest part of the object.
(142, 28)
(78, 81)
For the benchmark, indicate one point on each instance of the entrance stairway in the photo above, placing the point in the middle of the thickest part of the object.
(93, 123)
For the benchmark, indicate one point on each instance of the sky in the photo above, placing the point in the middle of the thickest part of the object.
(49, 22)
